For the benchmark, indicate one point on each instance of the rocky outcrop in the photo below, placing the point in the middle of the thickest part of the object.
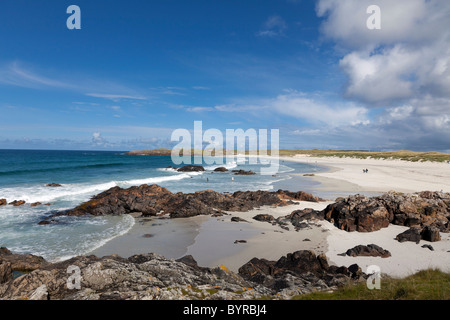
(300, 271)
(431, 234)
(298, 217)
(152, 200)
(298, 196)
(17, 203)
(412, 234)
(153, 277)
(53, 185)
(6, 273)
(21, 262)
(3, 202)
(220, 169)
(264, 218)
(191, 168)
(415, 234)
(366, 214)
(243, 172)
(370, 250)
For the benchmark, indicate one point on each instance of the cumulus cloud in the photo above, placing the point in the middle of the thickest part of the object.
(402, 69)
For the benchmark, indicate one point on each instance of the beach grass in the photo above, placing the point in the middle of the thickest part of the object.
(431, 284)
(405, 155)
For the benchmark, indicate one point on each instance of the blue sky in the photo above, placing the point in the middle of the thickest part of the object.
(137, 70)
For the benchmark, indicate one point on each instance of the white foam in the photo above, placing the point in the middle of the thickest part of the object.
(228, 166)
(156, 180)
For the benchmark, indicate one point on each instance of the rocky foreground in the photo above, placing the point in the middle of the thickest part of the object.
(153, 277)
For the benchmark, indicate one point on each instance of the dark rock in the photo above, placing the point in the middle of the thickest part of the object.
(153, 200)
(412, 234)
(6, 273)
(220, 169)
(298, 196)
(191, 168)
(240, 241)
(22, 262)
(428, 247)
(147, 235)
(264, 217)
(35, 204)
(301, 265)
(238, 219)
(299, 216)
(306, 239)
(243, 172)
(366, 214)
(53, 185)
(44, 222)
(17, 203)
(370, 250)
(309, 175)
(3, 202)
(188, 260)
(430, 234)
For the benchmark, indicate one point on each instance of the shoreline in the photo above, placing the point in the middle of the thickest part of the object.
(383, 175)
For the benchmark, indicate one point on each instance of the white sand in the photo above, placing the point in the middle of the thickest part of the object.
(406, 258)
(214, 245)
(383, 175)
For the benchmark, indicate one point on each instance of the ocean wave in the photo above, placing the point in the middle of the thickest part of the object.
(230, 165)
(60, 168)
(81, 191)
(156, 180)
(100, 239)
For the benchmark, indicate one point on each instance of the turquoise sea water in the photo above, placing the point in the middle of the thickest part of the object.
(83, 174)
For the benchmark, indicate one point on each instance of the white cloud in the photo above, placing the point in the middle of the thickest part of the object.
(17, 75)
(274, 26)
(408, 57)
(115, 97)
(402, 69)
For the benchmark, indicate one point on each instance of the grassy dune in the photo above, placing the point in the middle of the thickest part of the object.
(425, 285)
(400, 155)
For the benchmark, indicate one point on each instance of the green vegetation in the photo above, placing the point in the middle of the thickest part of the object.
(399, 155)
(425, 285)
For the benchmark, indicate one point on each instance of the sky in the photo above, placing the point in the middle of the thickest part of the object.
(138, 70)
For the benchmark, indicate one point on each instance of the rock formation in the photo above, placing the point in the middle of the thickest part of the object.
(153, 277)
(366, 214)
(243, 172)
(152, 200)
(191, 168)
(370, 250)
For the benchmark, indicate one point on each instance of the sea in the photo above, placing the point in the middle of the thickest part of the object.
(24, 175)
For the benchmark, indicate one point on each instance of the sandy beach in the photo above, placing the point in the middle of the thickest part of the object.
(214, 241)
(346, 174)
